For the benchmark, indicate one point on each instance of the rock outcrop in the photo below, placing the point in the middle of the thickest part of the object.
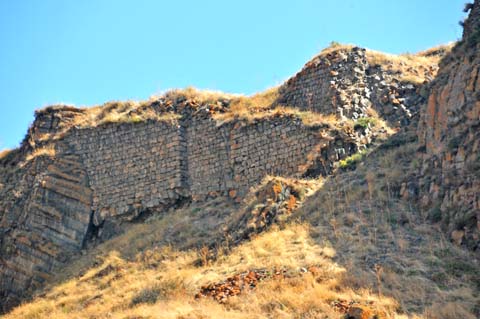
(45, 216)
(449, 135)
(351, 81)
(69, 184)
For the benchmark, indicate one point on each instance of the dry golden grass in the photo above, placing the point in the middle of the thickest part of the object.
(308, 118)
(47, 150)
(360, 215)
(367, 246)
(121, 112)
(257, 102)
(413, 68)
(239, 107)
(197, 95)
(112, 112)
(250, 107)
(4, 153)
(107, 290)
(439, 50)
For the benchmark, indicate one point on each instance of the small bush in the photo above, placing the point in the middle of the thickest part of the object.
(435, 214)
(147, 295)
(352, 161)
(364, 122)
(459, 268)
(335, 44)
(161, 290)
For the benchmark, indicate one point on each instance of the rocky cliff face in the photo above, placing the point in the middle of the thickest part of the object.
(449, 135)
(69, 184)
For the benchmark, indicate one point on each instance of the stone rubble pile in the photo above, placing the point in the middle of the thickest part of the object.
(342, 82)
(235, 285)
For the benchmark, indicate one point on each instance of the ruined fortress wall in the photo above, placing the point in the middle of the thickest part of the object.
(331, 83)
(131, 166)
(276, 148)
(342, 82)
(310, 89)
(208, 158)
(233, 157)
(117, 171)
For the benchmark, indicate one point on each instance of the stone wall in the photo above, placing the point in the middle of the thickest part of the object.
(343, 82)
(322, 85)
(209, 158)
(113, 173)
(134, 167)
(131, 166)
(282, 147)
(311, 88)
(233, 157)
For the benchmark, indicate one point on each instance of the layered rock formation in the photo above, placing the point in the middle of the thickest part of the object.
(449, 135)
(93, 178)
(69, 183)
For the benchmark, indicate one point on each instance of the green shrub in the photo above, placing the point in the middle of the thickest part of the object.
(351, 161)
(363, 122)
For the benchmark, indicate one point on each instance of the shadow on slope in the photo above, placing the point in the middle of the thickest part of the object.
(386, 243)
(363, 246)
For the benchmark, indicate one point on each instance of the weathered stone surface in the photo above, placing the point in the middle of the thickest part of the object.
(449, 134)
(48, 222)
(114, 173)
(343, 82)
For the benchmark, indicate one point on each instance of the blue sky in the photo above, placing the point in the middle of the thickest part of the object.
(92, 51)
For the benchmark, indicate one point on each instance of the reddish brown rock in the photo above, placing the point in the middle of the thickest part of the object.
(449, 131)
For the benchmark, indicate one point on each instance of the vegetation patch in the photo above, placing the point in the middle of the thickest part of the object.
(4, 153)
(148, 295)
(365, 122)
(47, 151)
(412, 68)
(351, 161)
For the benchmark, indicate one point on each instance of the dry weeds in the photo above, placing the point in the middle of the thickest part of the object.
(4, 153)
(366, 246)
(47, 150)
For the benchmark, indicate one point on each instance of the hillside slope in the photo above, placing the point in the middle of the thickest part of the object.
(346, 245)
(349, 191)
